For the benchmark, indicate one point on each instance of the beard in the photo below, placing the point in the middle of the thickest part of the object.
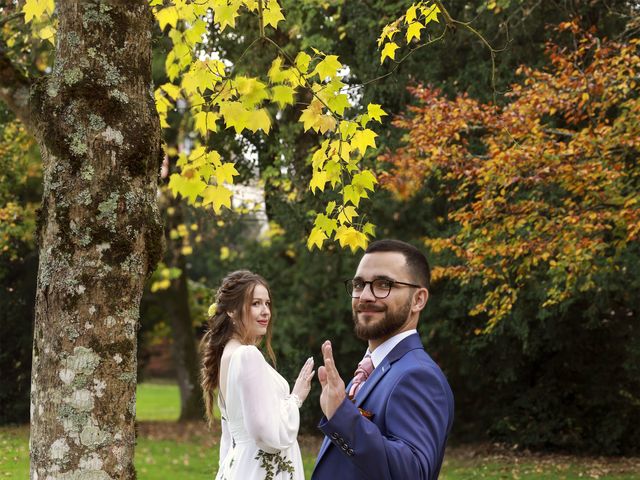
(390, 323)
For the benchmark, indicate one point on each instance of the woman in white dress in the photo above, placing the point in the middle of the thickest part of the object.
(260, 417)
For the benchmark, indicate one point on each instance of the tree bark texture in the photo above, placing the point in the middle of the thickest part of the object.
(100, 236)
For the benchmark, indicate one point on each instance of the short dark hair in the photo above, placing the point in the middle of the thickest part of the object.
(415, 259)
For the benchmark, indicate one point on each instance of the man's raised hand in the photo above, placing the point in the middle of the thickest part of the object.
(333, 388)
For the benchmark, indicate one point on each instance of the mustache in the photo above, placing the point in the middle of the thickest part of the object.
(370, 308)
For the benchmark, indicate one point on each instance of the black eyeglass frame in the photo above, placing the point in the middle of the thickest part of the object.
(348, 284)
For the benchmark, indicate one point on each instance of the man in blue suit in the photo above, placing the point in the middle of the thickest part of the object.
(396, 426)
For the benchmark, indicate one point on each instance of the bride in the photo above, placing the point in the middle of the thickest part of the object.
(260, 417)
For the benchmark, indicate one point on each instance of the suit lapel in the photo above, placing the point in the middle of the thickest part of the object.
(412, 342)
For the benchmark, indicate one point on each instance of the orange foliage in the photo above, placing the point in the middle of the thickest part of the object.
(547, 184)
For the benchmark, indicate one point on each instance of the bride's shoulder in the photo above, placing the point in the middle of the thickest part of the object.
(240, 350)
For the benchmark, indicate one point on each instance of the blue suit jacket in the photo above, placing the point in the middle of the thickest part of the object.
(412, 407)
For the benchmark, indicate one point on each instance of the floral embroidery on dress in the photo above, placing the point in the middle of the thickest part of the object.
(274, 463)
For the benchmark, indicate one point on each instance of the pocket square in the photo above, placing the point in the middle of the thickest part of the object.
(366, 413)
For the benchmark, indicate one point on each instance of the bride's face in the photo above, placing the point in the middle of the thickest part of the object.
(258, 313)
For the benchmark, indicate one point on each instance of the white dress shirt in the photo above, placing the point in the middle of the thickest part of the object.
(378, 355)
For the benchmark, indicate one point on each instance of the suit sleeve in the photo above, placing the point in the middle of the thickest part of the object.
(418, 417)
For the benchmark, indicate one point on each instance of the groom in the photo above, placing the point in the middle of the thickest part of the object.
(393, 420)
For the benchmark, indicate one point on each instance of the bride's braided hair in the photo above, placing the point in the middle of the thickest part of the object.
(234, 295)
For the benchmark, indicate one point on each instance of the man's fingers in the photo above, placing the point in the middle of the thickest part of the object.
(332, 373)
(322, 376)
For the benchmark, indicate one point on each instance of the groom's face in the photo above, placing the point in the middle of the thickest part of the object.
(381, 318)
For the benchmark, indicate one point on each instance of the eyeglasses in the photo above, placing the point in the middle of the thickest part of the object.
(380, 287)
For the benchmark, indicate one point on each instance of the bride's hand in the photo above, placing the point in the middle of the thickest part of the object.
(303, 382)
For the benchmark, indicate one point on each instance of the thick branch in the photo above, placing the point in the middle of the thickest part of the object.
(14, 89)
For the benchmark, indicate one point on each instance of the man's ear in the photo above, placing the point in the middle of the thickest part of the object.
(420, 299)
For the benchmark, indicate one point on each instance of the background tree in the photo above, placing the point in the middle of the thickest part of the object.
(542, 207)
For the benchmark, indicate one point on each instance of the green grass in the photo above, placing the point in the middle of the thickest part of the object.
(169, 451)
(157, 401)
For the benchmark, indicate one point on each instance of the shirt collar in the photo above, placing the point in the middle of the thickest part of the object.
(379, 354)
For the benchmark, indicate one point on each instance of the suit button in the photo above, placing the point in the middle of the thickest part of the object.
(350, 452)
(344, 447)
(334, 436)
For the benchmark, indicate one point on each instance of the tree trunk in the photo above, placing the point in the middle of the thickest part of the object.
(183, 346)
(99, 234)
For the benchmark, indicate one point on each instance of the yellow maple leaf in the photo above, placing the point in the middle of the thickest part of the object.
(272, 14)
(167, 16)
(375, 111)
(349, 236)
(430, 13)
(363, 139)
(302, 62)
(328, 67)
(206, 122)
(311, 115)
(316, 238)
(389, 50)
(235, 115)
(347, 214)
(410, 16)
(225, 173)
(259, 120)
(225, 14)
(318, 180)
(326, 123)
(217, 195)
(35, 9)
(282, 95)
(414, 31)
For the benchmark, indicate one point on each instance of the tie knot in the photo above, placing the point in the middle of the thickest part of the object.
(365, 367)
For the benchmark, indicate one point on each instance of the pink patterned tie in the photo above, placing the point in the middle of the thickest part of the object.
(365, 367)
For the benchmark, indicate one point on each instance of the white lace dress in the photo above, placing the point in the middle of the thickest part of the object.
(260, 422)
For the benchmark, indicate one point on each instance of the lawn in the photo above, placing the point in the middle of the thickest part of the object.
(167, 450)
